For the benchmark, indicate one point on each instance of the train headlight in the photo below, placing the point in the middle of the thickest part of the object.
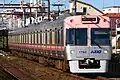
(105, 51)
(72, 51)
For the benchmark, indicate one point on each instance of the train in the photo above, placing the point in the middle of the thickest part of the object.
(78, 43)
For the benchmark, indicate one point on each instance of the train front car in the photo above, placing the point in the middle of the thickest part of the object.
(88, 43)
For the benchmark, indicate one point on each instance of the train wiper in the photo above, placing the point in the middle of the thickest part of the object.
(96, 44)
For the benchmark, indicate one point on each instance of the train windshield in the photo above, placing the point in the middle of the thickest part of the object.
(100, 36)
(76, 36)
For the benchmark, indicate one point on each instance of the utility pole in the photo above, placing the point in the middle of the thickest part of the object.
(58, 5)
(75, 2)
(49, 10)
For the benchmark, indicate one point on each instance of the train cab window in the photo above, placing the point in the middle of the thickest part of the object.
(100, 36)
(76, 36)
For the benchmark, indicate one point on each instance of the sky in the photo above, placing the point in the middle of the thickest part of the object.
(96, 3)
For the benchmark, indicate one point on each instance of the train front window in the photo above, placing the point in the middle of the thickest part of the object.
(100, 36)
(76, 36)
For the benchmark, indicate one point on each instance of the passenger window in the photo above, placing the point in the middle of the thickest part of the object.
(50, 36)
(46, 37)
(56, 37)
(53, 37)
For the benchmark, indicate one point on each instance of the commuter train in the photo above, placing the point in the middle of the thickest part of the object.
(80, 43)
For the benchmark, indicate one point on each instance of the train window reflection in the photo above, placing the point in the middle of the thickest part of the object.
(76, 36)
(101, 36)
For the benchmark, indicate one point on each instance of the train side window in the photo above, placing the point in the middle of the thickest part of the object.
(21, 38)
(62, 37)
(41, 37)
(46, 37)
(32, 37)
(17, 37)
(58, 33)
(37, 37)
(53, 37)
(25, 37)
(56, 36)
(50, 36)
(29, 38)
(14, 38)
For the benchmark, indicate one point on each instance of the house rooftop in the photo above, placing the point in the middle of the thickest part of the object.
(88, 5)
(112, 14)
(112, 7)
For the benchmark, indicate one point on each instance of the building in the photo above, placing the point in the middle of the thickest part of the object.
(115, 28)
(111, 9)
(21, 15)
(84, 8)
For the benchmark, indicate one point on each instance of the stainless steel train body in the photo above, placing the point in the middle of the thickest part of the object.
(80, 43)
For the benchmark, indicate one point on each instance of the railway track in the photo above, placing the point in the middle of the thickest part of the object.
(42, 72)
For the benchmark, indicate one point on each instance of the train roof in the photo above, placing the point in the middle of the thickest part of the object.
(43, 25)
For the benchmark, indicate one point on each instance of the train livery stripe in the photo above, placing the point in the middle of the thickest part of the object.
(37, 47)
